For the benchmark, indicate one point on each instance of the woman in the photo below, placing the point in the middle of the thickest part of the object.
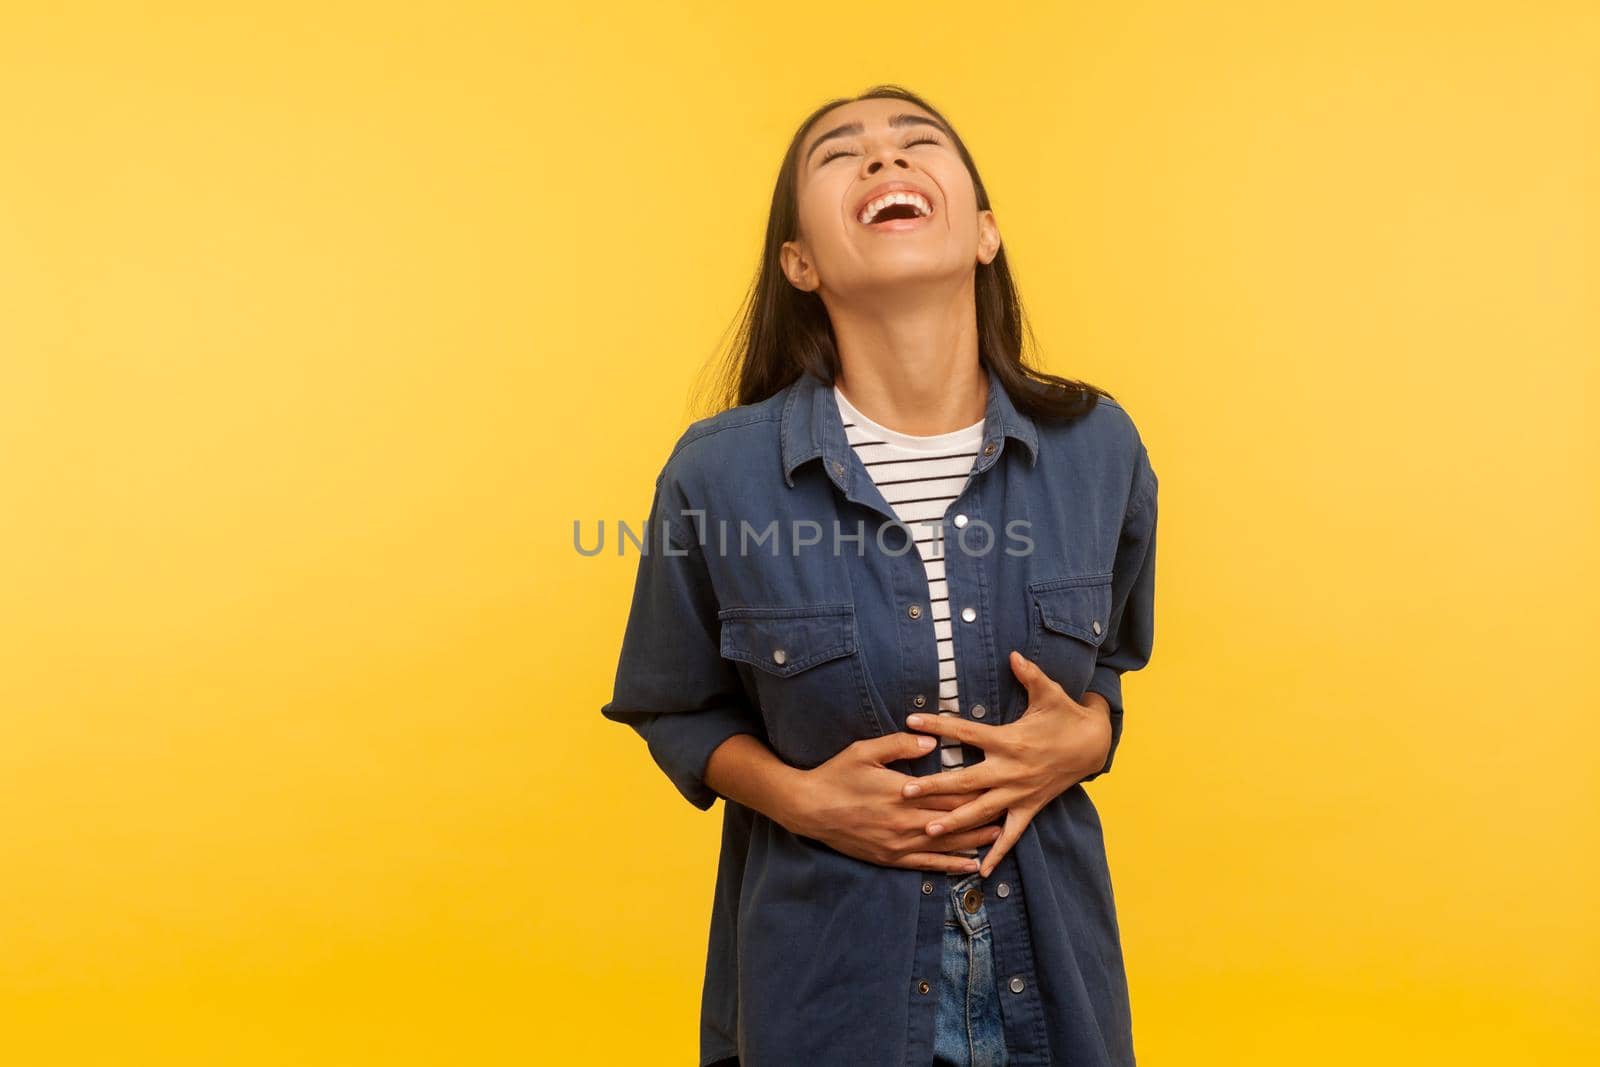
(911, 870)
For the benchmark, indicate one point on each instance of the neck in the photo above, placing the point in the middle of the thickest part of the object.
(911, 363)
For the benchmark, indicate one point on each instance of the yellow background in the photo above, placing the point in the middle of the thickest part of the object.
(320, 326)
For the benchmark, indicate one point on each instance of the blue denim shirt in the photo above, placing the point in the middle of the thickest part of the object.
(814, 956)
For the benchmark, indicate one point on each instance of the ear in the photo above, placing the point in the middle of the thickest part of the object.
(988, 236)
(797, 267)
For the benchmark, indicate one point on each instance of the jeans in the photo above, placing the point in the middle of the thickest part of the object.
(967, 1031)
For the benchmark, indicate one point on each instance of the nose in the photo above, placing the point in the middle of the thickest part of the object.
(888, 155)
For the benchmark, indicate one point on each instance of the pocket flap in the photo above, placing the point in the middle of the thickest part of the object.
(785, 641)
(1078, 607)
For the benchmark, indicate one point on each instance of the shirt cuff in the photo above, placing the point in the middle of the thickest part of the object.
(682, 742)
(1107, 681)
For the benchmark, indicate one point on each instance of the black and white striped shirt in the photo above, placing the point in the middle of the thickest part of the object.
(919, 477)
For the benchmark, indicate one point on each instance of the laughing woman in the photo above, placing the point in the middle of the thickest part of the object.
(883, 611)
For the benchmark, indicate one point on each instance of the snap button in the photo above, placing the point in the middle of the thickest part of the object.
(1096, 626)
(919, 700)
(915, 611)
(1016, 985)
(960, 521)
(968, 614)
(1002, 890)
(922, 985)
(779, 655)
(979, 711)
(927, 888)
(838, 468)
(972, 899)
(988, 449)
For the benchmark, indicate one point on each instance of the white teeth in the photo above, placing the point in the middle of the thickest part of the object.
(915, 199)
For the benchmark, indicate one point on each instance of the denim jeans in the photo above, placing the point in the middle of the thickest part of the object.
(967, 1029)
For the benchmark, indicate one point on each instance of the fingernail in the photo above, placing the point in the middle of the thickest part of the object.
(913, 789)
(935, 828)
(914, 720)
(924, 742)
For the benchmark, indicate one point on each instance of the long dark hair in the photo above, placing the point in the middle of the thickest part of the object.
(781, 331)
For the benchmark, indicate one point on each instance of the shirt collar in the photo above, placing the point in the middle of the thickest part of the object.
(812, 427)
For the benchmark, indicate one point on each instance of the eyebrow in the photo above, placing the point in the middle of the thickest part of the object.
(855, 127)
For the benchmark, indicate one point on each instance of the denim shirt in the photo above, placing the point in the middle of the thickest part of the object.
(815, 956)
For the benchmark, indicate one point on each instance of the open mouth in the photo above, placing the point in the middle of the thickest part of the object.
(895, 211)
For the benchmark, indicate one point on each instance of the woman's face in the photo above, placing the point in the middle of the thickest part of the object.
(850, 157)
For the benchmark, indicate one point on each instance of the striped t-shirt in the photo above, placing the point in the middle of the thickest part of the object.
(919, 476)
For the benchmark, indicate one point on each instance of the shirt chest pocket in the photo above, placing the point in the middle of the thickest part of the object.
(803, 666)
(1071, 617)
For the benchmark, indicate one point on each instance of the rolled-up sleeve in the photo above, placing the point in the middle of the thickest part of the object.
(672, 684)
(1131, 635)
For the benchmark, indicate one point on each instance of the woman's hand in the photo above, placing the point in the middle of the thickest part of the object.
(853, 803)
(1055, 743)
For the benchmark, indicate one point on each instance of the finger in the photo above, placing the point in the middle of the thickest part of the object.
(954, 842)
(938, 861)
(898, 746)
(1016, 822)
(930, 806)
(1038, 684)
(985, 809)
(980, 734)
(975, 778)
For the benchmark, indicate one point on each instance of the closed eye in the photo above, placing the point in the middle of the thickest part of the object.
(837, 152)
